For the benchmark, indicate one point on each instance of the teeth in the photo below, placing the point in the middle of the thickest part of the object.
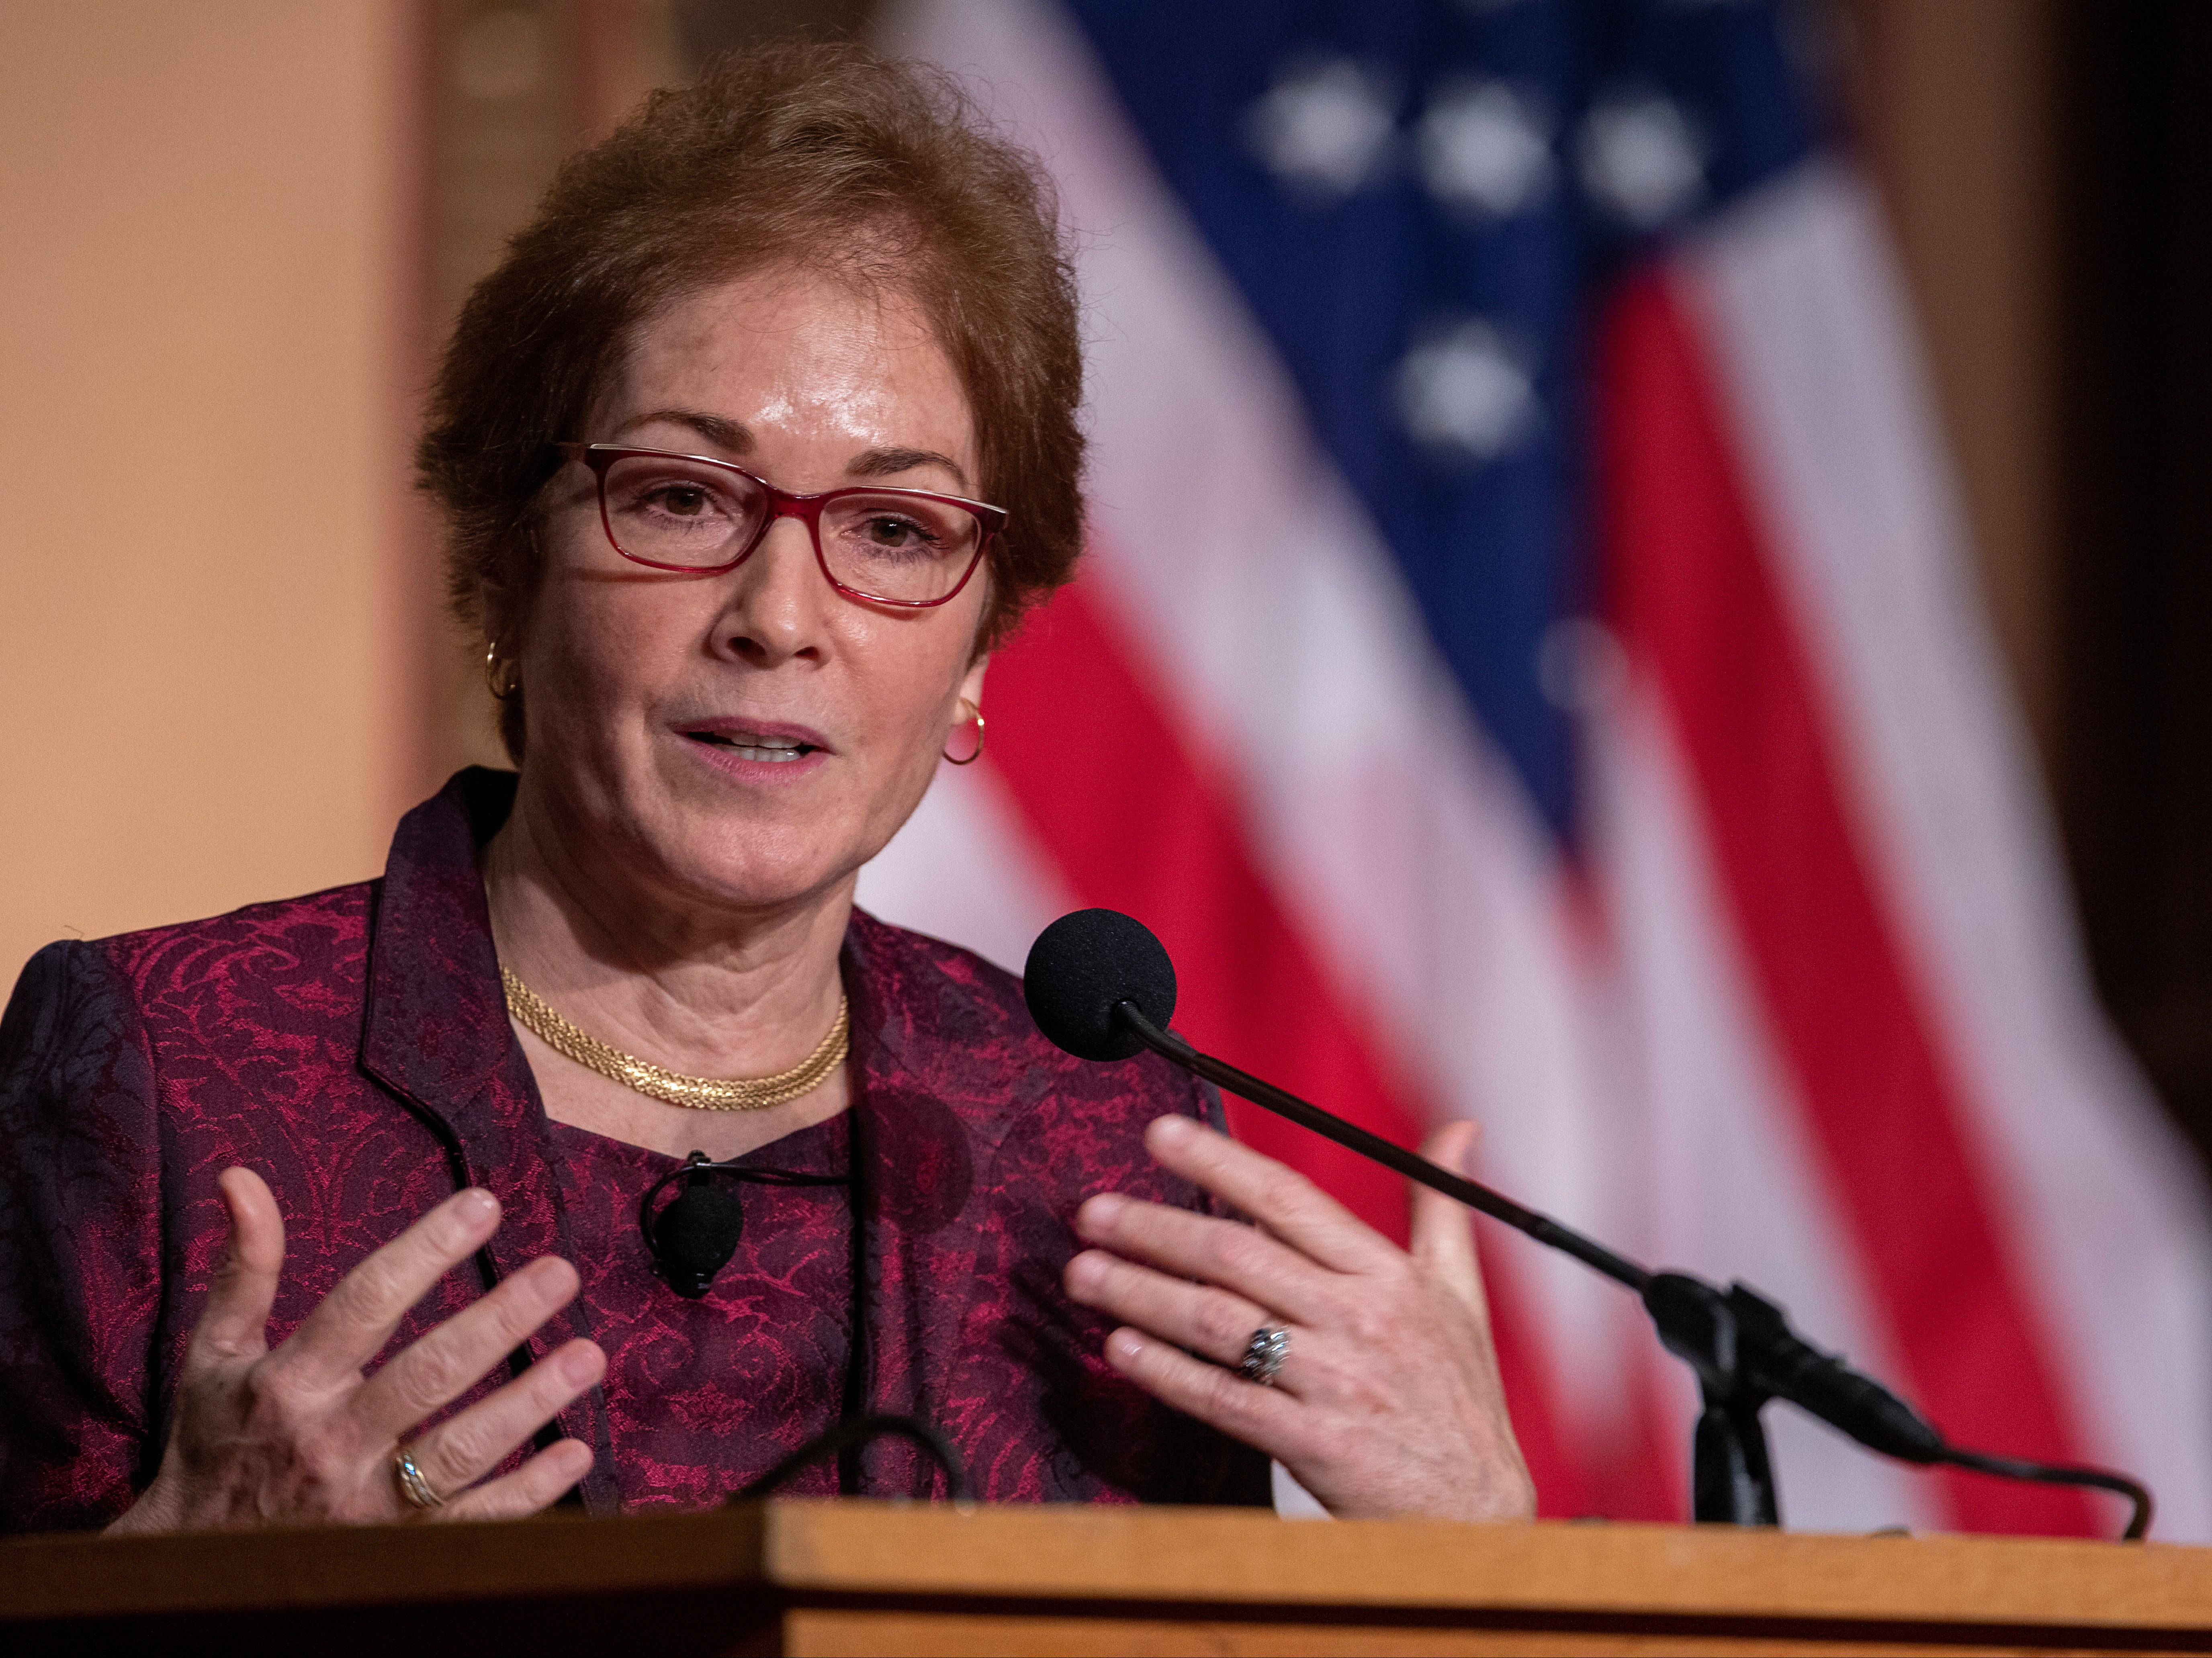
(769, 748)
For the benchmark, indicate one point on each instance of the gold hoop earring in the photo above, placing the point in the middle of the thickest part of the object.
(978, 753)
(500, 693)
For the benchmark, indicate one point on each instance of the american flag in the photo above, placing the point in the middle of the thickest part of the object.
(1526, 668)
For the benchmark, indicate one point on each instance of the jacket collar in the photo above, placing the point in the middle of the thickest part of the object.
(436, 1027)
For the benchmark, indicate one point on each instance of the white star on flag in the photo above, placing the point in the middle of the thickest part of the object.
(1327, 130)
(1484, 146)
(1466, 391)
(1641, 158)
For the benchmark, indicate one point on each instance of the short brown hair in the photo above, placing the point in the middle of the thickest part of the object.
(823, 156)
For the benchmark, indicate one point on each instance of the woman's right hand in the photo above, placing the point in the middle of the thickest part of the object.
(299, 1436)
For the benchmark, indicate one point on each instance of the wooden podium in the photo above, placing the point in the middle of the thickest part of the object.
(875, 1577)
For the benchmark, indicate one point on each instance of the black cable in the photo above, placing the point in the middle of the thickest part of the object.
(1413, 1166)
(699, 1164)
(549, 1433)
(2060, 1473)
(858, 1430)
(694, 1237)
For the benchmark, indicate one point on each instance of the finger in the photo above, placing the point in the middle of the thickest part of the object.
(1443, 1238)
(1283, 1200)
(348, 1325)
(1226, 1253)
(1260, 1417)
(234, 1325)
(456, 1454)
(450, 1359)
(1215, 1324)
(530, 1489)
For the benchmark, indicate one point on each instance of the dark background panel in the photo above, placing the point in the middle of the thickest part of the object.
(2134, 92)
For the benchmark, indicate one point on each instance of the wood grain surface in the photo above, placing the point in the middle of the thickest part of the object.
(877, 1577)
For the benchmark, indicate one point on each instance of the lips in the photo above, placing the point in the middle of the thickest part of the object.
(764, 743)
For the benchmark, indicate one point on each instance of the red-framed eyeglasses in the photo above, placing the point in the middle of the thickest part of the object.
(908, 548)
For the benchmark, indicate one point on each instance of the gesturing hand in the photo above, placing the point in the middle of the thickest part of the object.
(300, 1436)
(1388, 1400)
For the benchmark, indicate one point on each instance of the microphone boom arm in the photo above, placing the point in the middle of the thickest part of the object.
(1739, 1343)
(1496, 1205)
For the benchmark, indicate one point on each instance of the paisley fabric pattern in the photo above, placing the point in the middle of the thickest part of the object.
(352, 1046)
(702, 1403)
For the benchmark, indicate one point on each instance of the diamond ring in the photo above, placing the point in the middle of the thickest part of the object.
(412, 1484)
(1264, 1354)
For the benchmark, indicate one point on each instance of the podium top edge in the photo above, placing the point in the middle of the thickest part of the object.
(788, 1553)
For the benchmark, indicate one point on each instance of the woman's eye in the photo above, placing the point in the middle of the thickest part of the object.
(682, 500)
(895, 532)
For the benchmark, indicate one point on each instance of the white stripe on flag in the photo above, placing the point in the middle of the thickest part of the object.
(2097, 1200)
(1729, 1184)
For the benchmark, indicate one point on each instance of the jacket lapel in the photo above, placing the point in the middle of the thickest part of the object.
(915, 1193)
(436, 1034)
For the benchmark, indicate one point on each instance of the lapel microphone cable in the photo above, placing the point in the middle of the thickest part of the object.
(857, 1430)
(696, 1232)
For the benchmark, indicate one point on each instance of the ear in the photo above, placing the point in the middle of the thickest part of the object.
(491, 614)
(971, 683)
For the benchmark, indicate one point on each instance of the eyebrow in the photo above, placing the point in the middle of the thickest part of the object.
(730, 435)
(882, 462)
(735, 438)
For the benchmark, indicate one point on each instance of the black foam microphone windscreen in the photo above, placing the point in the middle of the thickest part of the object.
(1084, 963)
(694, 1237)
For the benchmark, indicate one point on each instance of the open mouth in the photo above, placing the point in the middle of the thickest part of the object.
(752, 745)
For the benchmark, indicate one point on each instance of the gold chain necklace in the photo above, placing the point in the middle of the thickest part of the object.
(699, 1093)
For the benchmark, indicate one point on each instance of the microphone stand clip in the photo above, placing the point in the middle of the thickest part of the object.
(1731, 1478)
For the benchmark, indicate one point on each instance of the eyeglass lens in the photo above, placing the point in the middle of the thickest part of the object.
(669, 510)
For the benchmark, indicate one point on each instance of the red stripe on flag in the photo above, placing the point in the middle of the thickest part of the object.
(1139, 820)
(1696, 605)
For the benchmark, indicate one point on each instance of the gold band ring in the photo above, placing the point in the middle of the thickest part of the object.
(412, 1486)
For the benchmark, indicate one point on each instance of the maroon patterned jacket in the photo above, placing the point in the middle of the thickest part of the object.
(353, 1046)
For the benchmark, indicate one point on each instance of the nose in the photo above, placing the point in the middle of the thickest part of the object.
(776, 606)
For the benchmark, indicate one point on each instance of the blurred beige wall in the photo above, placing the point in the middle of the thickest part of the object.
(210, 659)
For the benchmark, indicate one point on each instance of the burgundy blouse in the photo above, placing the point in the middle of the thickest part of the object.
(704, 1398)
(353, 1046)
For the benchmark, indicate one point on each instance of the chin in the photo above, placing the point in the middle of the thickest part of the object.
(756, 867)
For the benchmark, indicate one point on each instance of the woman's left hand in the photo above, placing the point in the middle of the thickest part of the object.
(1388, 1402)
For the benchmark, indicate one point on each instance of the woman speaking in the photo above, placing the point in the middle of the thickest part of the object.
(329, 1210)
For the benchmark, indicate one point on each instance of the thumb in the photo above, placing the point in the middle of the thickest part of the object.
(234, 1326)
(1444, 1231)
